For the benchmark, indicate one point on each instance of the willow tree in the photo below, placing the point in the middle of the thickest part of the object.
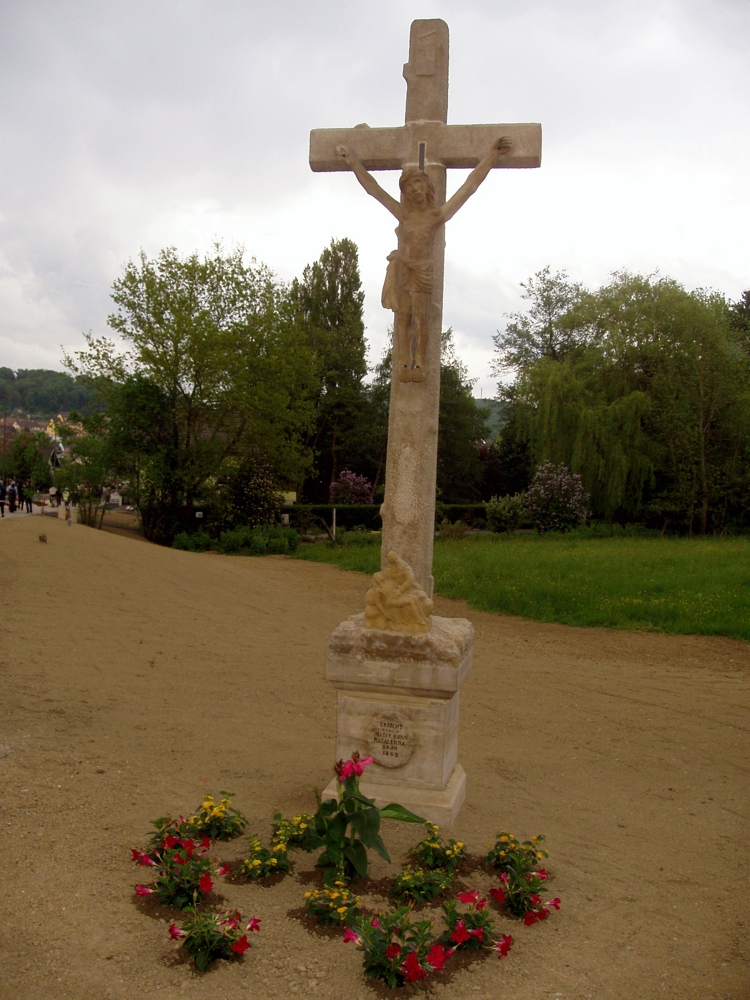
(652, 408)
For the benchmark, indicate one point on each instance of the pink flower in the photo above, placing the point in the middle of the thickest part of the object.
(392, 951)
(411, 968)
(349, 768)
(205, 884)
(141, 890)
(241, 946)
(460, 934)
(498, 895)
(349, 935)
(555, 902)
(223, 870)
(505, 878)
(436, 956)
(469, 897)
(541, 875)
(253, 924)
(374, 922)
(503, 946)
(174, 932)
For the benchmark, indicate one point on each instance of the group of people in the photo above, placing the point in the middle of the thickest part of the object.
(17, 495)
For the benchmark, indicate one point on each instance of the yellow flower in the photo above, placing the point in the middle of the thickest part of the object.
(335, 895)
(340, 884)
(503, 840)
(341, 909)
(303, 826)
(308, 895)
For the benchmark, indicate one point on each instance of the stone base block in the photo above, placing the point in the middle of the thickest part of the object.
(398, 702)
(441, 807)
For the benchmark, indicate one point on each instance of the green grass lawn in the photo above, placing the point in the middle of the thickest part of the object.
(660, 584)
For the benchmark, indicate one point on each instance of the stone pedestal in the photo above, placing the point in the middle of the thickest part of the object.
(398, 702)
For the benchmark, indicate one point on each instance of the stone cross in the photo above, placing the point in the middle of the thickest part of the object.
(425, 142)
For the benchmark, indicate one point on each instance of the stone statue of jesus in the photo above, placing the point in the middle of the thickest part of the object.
(408, 281)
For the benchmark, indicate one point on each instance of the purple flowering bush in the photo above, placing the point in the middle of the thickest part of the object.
(556, 499)
(350, 488)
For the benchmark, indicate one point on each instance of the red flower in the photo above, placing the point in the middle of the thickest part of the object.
(223, 870)
(460, 934)
(205, 843)
(503, 946)
(478, 933)
(188, 846)
(241, 946)
(469, 897)
(141, 890)
(349, 935)
(174, 932)
(529, 918)
(542, 913)
(392, 951)
(436, 956)
(374, 922)
(169, 842)
(411, 968)
(542, 875)
(205, 884)
(498, 895)
(555, 902)
(253, 924)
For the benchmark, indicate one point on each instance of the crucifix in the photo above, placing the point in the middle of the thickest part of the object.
(398, 669)
(423, 148)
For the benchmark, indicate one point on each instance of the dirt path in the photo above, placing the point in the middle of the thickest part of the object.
(135, 678)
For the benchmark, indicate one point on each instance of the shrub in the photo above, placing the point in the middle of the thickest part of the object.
(258, 541)
(262, 862)
(201, 541)
(556, 499)
(207, 936)
(452, 532)
(433, 852)
(505, 513)
(420, 884)
(350, 489)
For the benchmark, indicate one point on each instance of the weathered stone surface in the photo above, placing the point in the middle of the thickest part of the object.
(433, 664)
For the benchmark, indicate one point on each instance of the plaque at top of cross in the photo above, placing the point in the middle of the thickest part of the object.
(422, 149)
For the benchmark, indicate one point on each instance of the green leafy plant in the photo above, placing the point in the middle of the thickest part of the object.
(262, 862)
(421, 885)
(521, 876)
(184, 872)
(452, 532)
(434, 852)
(219, 821)
(333, 905)
(470, 929)
(207, 936)
(395, 949)
(505, 513)
(347, 827)
(295, 832)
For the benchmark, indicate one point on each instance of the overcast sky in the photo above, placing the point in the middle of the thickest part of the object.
(129, 124)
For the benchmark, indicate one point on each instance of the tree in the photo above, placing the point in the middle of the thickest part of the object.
(215, 368)
(651, 408)
(329, 301)
(542, 332)
(462, 426)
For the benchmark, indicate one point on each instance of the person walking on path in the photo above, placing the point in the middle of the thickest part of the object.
(11, 495)
(28, 492)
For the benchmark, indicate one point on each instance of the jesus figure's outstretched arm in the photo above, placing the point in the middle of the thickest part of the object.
(475, 178)
(369, 183)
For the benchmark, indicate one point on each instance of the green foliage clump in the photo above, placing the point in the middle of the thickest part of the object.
(452, 532)
(201, 541)
(258, 541)
(421, 885)
(262, 862)
(433, 852)
(505, 513)
(333, 905)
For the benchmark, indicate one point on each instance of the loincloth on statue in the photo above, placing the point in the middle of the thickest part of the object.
(405, 275)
